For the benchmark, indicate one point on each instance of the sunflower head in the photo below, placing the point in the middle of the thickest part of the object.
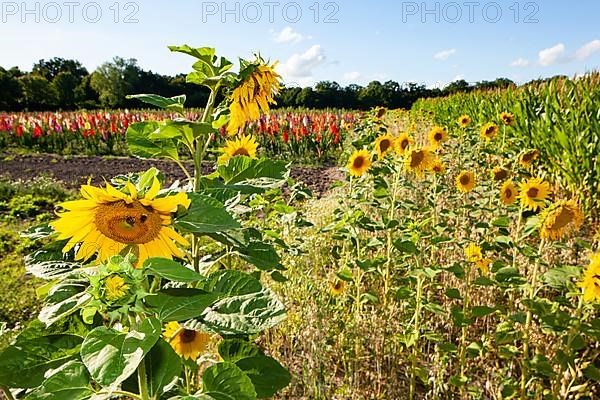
(255, 92)
(383, 145)
(464, 121)
(110, 221)
(438, 166)
(403, 142)
(241, 146)
(590, 281)
(560, 220)
(499, 174)
(489, 131)
(189, 344)
(473, 252)
(508, 193)
(380, 112)
(484, 265)
(359, 163)
(437, 136)
(533, 193)
(418, 160)
(526, 158)
(465, 181)
(336, 287)
(117, 284)
(507, 118)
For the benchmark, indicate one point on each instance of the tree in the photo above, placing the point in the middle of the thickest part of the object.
(115, 80)
(65, 84)
(10, 90)
(38, 93)
(51, 68)
(458, 86)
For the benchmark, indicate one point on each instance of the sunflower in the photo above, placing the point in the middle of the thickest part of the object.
(508, 193)
(528, 157)
(418, 161)
(499, 174)
(359, 163)
(438, 166)
(437, 136)
(337, 287)
(590, 282)
(383, 145)
(109, 220)
(507, 118)
(115, 288)
(254, 94)
(473, 252)
(464, 121)
(465, 181)
(533, 192)
(403, 142)
(380, 112)
(489, 131)
(484, 265)
(560, 219)
(242, 146)
(187, 343)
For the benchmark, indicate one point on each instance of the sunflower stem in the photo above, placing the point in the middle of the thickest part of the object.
(388, 264)
(143, 381)
(416, 333)
(118, 393)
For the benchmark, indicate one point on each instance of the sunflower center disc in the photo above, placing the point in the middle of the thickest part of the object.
(438, 137)
(358, 162)
(404, 144)
(563, 219)
(385, 144)
(416, 159)
(128, 223)
(241, 152)
(533, 192)
(464, 180)
(508, 193)
(187, 336)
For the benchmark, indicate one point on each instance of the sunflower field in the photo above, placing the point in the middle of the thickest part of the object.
(456, 258)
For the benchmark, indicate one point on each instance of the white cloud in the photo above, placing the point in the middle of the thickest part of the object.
(444, 54)
(520, 62)
(552, 55)
(588, 49)
(458, 77)
(301, 65)
(288, 35)
(352, 77)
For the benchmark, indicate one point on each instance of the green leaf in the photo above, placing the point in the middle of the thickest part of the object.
(227, 381)
(173, 103)
(112, 356)
(453, 293)
(163, 366)
(592, 372)
(405, 247)
(246, 171)
(141, 144)
(266, 374)
(482, 311)
(251, 247)
(234, 350)
(206, 215)
(64, 299)
(171, 270)
(232, 282)
(38, 232)
(206, 54)
(180, 304)
(51, 270)
(70, 382)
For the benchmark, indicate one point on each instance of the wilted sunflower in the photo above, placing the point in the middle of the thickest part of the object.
(359, 163)
(465, 181)
(109, 220)
(560, 219)
(403, 142)
(187, 343)
(489, 131)
(464, 121)
(242, 146)
(533, 192)
(508, 193)
(437, 136)
(528, 157)
(383, 145)
(438, 166)
(337, 287)
(499, 174)
(590, 282)
(418, 161)
(253, 94)
(473, 252)
(507, 118)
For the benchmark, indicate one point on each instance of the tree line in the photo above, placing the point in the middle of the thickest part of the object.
(60, 84)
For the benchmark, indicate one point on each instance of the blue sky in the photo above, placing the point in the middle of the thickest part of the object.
(348, 41)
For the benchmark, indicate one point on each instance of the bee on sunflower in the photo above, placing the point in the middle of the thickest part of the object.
(508, 193)
(383, 145)
(533, 193)
(465, 181)
(403, 142)
(242, 146)
(560, 219)
(464, 121)
(256, 91)
(108, 221)
(437, 136)
(359, 163)
(418, 160)
(489, 131)
(507, 118)
(187, 343)
(590, 282)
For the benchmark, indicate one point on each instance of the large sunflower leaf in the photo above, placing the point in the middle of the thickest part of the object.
(140, 142)
(227, 381)
(172, 103)
(246, 171)
(70, 382)
(206, 215)
(163, 366)
(64, 299)
(180, 304)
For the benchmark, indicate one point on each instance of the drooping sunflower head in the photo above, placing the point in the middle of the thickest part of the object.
(438, 166)
(533, 193)
(489, 131)
(465, 181)
(507, 118)
(590, 282)
(560, 220)
(187, 343)
(528, 157)
(109, 221)
(508, 193)
(256, 91)
(473, 252)
(437, 136)
(464, 121)
(359, 163)
(241, 146)
(403, 142)
(383, 145)
(418, 160)
(336, 287)
(499, 174)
